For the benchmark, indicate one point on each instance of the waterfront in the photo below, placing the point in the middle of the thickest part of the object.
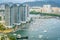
(41, 29)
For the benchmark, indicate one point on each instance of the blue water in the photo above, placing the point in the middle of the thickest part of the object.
(42, 29)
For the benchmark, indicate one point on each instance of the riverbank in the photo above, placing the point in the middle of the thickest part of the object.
(33, 16)
(41, 29)
(49, 14)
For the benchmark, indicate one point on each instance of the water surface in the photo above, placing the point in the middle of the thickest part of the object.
(42, 29)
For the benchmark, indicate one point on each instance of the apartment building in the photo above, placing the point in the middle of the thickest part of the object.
(46, 9)
(14, 14)
(24, 13)
(37, 9)
(7, 16)
(55, 10)
(2, 8)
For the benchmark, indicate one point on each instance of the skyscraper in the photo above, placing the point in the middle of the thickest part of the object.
(23, 12)
(12, 15)
(7, 15)
(15, 14)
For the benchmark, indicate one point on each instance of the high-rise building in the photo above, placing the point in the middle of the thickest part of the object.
(15, 14)
(12, 15)
(27, 13)
(2, 17)
(23, 13)
(2, 8)
(7, 15)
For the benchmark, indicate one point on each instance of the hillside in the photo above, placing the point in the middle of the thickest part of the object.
(41, 3)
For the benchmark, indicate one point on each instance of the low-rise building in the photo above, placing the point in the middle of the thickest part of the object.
(55, 10)
(45, 9)
(37, 9)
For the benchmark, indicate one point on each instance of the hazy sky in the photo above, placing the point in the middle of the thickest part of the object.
(16, 0)
(20, 1)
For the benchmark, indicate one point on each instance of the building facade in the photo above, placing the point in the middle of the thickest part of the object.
(37, 9)
(15, 14)
(24, 14)
(7, 15)
(46, 9)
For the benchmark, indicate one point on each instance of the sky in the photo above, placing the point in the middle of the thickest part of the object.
(17, 1)
(20, 1)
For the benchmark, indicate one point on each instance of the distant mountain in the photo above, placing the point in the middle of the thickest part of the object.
(41, 3)
(54, 3)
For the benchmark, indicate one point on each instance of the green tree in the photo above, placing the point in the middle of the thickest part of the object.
(0, 18)
(2, 27)
(11, 37)
(34, 12)
(2, 38)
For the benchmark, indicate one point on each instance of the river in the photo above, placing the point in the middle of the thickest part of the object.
(42, 29)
